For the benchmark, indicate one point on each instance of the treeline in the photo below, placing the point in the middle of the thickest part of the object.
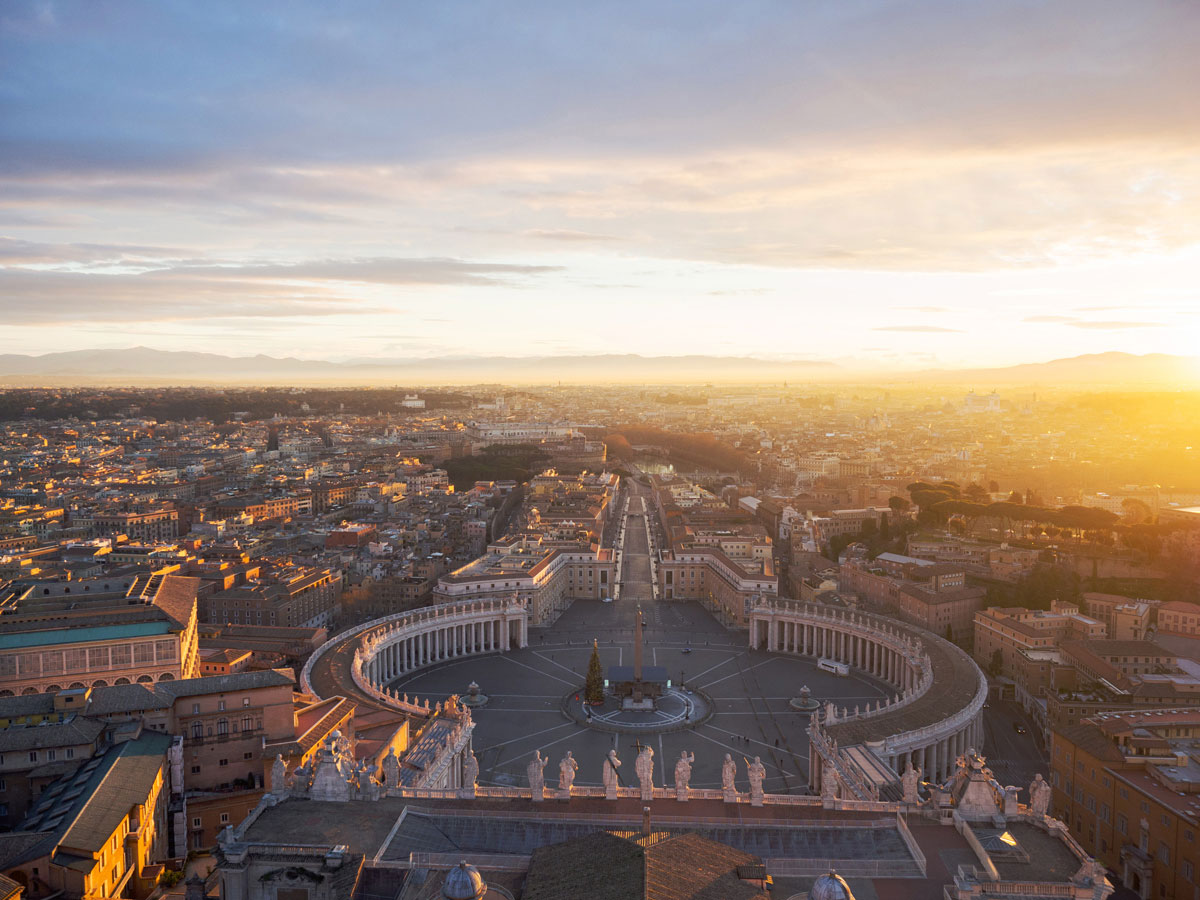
(218, 406)
(944, 500)
(702, 451)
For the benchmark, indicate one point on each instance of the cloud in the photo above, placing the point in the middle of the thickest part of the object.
(923, 329)
(380, 270)
(564, 234)
(922, 309)
(29, 297)
(1051, 320)
(15, 252)
(1116, 326)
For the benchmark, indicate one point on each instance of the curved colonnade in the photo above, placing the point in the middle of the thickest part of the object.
(387, 648)
(934, 717)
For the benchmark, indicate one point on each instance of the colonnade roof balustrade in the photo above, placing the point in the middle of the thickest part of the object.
(956, 688)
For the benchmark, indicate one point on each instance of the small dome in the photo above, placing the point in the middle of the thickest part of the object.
(463, 882)
(830, 887)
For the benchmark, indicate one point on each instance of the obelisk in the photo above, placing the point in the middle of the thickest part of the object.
(637, 648)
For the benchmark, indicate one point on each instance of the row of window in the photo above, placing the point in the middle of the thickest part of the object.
(198, 730)
(51, 756)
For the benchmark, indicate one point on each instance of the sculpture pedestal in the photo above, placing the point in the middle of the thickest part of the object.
(729, 796)
(681, 794)
(756, 798)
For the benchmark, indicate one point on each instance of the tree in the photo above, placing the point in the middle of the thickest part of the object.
(993, 487)
(885, 528)
(996, 666)
(1015, 497)
(898, 504)
(976, 493)
(593, 689)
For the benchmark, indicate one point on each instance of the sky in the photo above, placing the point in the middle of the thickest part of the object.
(884, 184)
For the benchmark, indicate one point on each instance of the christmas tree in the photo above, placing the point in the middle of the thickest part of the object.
(593, 689)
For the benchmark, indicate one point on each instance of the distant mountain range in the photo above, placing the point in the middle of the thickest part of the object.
(142, 365)
(1093, 368)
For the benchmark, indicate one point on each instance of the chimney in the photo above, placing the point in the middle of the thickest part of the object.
(645, 820)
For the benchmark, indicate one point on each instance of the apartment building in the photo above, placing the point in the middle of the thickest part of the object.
(729, 587)
(1128, 786)
(545, 576)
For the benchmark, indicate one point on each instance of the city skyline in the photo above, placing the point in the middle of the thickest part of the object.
(909, 187)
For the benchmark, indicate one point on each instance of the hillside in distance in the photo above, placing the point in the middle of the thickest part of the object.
(143, 365)
(1097, 369)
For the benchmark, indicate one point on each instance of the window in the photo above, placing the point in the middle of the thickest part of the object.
(1164, 853)
(3, 785)
(196, 822)
(1122, 824)
(195, 708)
(221, 705)
(33, 756)
(245, 701)
(1188, 870)
(224, 762)
(70, 753)
(197, 730)
(247, 756)
(51, 755)
(224, 818)
(195, 770)
(222, 726)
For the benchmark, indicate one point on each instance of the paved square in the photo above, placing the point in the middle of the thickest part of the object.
(750, 691)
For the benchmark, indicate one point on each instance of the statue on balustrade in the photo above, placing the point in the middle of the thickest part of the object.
(537, 777)
(470, 774)
(644, 766)
(391, 770)
(729, 779)
(683, 774)
(910, 782)
(567, 768)
(610, 776)
(829, 783)
(756, 772)
(1039, 796)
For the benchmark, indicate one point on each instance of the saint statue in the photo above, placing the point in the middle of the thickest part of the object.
(610, 776)
(566, 773)
(829, 783)
(729, 775)
(683, 774)
(391, 770)
(279, 776)
(909, 781)
(1039, 796)
(644, 766)
(470, 774)
(537, 777)
(756, 772)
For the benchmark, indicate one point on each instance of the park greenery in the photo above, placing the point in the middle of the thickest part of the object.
(686, 450)
(496, 462)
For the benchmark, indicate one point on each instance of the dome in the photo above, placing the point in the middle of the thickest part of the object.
(830, 887)
(463, 882)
